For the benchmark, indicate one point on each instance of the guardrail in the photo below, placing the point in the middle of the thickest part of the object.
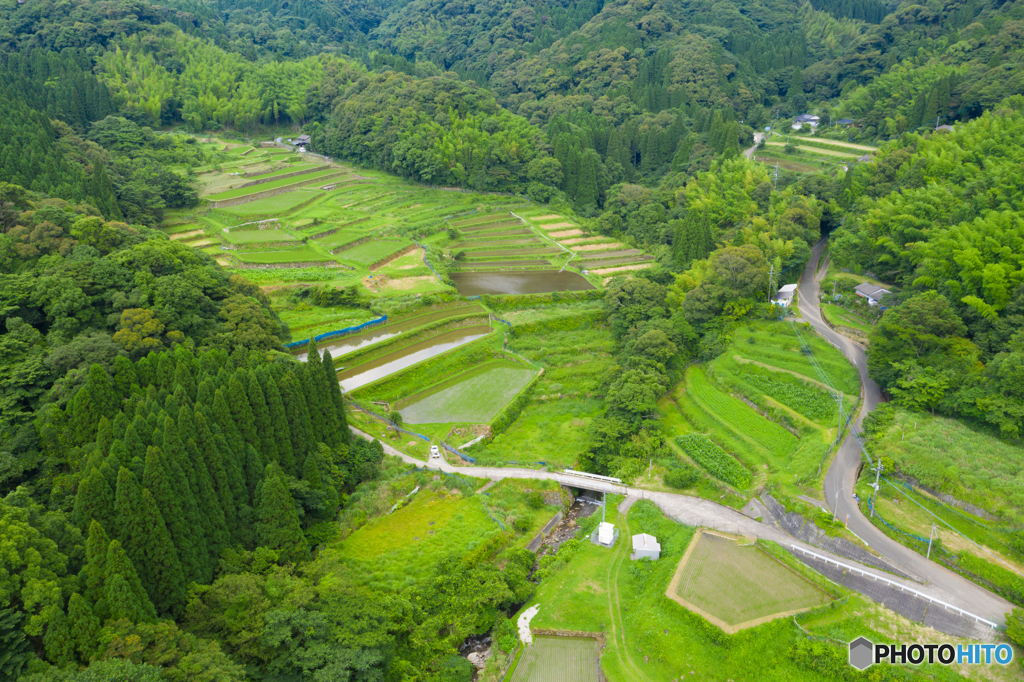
(471, 460)
(902, 588)
(340, 332)
(596, 477)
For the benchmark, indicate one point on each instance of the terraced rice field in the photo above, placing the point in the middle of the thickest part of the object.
(386, 365)
(257, 236)
(736, 587)
(348, 344)
(289, 256)
(531, 282)
(472, 397)
(275, 205)
(512, 253)
(275, 184)
(372, 251)
(558, 659)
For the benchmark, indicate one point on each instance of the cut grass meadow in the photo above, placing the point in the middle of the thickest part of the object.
(737, 585)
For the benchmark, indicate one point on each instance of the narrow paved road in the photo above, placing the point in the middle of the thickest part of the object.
(696, 511)
(749, 153)
(842, 474)
(839, 480)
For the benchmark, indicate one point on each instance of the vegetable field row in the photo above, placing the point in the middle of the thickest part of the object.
(714, 460)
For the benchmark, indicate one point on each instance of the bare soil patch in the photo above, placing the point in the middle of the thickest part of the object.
(601, 247)
(565, 233)
(555, 226)
(623, 268)
(551, 216)
(185, 235)
(405, 283)
(582, 240)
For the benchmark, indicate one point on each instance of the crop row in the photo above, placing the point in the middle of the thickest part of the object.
(810, 402)
(740, 417)
(315, 274)
(714, 460)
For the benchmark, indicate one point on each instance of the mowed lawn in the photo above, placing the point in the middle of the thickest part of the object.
(558, 659)
(472, 399)
(740, 584)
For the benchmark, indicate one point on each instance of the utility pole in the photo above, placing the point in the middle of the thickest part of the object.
(930, 535)
(878, 473)
(834, 283)
(835, 507)
(771, 275)
(776, 175)
(604, 500)
(839, 428)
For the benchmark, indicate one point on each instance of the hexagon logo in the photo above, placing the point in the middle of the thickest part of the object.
(862, 653)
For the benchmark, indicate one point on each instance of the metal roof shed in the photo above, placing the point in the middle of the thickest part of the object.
(646, 547)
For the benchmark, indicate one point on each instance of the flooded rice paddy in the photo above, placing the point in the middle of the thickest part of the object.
(537, 282)
(360, 375)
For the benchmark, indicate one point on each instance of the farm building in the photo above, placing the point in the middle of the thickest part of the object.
(646, 547)
(605, 535)
(302, 141)
(809, 119)
(786, 294)
(846, 121)
(944, 129)
(871, 292)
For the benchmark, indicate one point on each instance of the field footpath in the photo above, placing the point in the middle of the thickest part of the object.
(698, 512)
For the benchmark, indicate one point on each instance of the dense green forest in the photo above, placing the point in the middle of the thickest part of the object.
(167, 471)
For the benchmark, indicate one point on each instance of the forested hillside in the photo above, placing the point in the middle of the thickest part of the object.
(168, 473)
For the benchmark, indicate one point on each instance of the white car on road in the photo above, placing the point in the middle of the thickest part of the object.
(435, 452)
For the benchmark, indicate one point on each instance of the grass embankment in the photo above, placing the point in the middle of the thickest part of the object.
(949, 458)
(841, 317)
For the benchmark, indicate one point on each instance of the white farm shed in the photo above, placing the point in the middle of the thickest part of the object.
(646, 547)
(605, 535)
(786, 294)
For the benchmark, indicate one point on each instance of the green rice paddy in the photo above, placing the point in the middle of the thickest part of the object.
(475, 397)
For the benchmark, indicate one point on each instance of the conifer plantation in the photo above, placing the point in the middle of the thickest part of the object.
(210, 478)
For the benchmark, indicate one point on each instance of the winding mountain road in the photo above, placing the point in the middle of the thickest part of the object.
(940, 584)
(842, 473)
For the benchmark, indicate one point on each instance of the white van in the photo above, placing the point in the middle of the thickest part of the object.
(435, 452)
